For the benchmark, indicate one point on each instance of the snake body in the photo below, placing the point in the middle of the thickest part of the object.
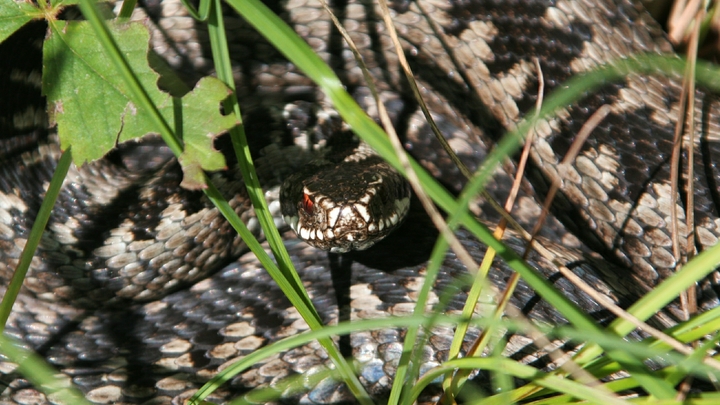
(177, 314)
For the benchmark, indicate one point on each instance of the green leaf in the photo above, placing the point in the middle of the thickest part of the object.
(94, 108)
(14, 15)
(202, 121)
(86, 99)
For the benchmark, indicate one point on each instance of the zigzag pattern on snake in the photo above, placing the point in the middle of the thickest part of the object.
(473, 60)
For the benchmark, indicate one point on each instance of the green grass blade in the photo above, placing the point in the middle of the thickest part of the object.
(34, 238)
(221, 57)
(697, 269)
(40, 374)
(342, 328)
(284, 273)
(515, 369)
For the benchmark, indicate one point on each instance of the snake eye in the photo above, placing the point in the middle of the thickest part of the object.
(308, 204)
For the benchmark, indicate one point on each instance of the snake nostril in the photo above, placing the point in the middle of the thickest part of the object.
(308, 204)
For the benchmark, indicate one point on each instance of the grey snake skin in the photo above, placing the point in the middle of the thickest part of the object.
(133, 332)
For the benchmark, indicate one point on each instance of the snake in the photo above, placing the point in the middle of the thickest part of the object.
(168, 296)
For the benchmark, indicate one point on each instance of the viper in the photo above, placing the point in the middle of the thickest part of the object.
(141, 291)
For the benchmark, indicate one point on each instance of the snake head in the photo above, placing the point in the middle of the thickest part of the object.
(346, 205)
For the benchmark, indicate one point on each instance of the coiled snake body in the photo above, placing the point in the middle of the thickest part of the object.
(160, 245)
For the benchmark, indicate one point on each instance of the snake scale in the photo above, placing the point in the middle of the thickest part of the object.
(162, 334)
